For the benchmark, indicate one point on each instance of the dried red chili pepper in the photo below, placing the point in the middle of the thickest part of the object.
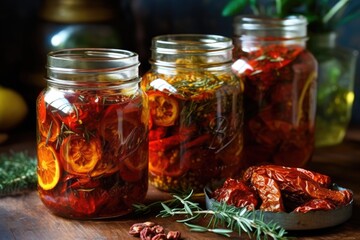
(166, 143)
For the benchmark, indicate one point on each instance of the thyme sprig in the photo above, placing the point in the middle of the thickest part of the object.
(222, 218)
(17, 173)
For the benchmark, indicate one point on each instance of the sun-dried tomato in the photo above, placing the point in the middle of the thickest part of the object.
(195, 117)
(275, 170)
(101, 143)
(237, 193)
(315, 204)
(280, 84)
(302, 182)
(269, 193)
(287, 189)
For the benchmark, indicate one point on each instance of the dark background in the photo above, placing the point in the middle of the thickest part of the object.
(139, 21)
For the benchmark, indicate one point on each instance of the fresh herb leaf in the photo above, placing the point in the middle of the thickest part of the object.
(322, 15)
(223, 219)
(17, 173)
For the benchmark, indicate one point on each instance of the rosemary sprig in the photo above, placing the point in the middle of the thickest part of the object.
(229, 218)
(173, 202)
(17, 173)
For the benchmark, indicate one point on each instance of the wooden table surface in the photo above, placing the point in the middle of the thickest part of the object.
(25, 217)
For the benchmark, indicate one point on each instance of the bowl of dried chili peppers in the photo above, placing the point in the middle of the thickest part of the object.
(295, 198)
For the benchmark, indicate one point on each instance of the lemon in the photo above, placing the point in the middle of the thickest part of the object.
(13, 108)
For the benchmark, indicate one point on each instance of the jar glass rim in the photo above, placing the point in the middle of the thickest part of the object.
(254, 22)
(290, 27)
(91, 59)
(187, 43)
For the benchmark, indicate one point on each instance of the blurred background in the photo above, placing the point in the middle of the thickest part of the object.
(32, 28)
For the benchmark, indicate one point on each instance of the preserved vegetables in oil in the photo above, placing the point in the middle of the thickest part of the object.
(92, 134)
(195, 104)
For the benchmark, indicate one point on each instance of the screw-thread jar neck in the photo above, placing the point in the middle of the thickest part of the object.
(260, 28)
(92, 67)
(191, 51)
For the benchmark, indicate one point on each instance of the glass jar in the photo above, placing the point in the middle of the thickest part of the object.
(280, 89)
(335, 95)
(92, 121)
(64, 24)
(196, 112)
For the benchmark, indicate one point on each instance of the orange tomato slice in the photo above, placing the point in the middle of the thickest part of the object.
(79, 155)
(108, 165)
(48, 167)
(164, 109)
(50, 128)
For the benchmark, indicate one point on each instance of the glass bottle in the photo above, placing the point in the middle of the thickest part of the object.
(68, 24)
(335, 95)
(92, 143)
(280, 89)
(196, 112)
(72, 24)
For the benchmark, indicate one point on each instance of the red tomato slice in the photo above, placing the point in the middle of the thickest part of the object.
(81, 110)
(124, 136)
(41, 108)
(131, 173)
(164, 109)
(118, 122)
(76, 118)
(79, 155)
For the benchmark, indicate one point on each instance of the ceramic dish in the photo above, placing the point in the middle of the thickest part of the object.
(299, 221)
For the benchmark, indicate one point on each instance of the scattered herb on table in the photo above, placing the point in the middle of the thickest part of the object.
(17, 173)
(222, 214)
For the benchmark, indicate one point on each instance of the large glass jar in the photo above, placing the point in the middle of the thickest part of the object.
(92, 143)
(335, 96)
(280, 89)
(196, 112)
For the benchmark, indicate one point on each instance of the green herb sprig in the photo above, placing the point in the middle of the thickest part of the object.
(322, 15)
(229, 218)
(173, 202)
(17, 173)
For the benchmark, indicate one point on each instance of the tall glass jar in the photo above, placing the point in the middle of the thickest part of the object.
(92, 123)
(280, 89)
(196, 112)
(335, 96)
